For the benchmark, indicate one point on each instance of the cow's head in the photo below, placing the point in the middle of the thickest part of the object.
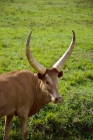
(49, 85)
(49, 78)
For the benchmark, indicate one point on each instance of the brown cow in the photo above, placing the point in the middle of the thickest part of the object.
(23, 93)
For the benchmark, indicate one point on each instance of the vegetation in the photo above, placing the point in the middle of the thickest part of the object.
(51, 22)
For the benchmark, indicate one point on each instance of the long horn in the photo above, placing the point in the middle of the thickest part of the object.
(60, 63)
(38, 67)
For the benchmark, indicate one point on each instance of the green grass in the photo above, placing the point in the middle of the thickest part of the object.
(52, 22)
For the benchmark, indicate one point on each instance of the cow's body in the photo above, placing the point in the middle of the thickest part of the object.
(23, 93)
(18, 93)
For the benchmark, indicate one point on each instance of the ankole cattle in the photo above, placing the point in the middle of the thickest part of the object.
(23, 93)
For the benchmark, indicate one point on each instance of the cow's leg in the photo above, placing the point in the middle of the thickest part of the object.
(23, 125)
(8, 121)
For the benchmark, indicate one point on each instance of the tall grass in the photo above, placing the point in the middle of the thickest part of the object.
(51, 22)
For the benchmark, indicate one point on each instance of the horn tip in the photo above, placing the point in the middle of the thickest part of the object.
(30, 33)
(28, 40)
(73, 35)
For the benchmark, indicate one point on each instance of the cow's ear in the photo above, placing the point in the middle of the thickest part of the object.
(60, 74)
(40, 76)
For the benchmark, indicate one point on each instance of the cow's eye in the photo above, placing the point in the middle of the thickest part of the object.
(47, 82)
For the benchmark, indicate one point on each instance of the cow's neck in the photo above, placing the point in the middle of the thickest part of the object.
(40, 99)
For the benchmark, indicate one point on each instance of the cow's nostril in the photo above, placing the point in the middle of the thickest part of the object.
(58, 99)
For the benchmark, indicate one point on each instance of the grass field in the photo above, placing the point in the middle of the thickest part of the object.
(52, 22)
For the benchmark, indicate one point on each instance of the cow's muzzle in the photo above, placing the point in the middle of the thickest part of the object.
(56, 100)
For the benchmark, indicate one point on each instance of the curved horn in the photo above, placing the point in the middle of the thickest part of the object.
(60, 63)
(38, 67)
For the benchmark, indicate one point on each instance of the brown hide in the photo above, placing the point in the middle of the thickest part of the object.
(23, 93)
(18, 92)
